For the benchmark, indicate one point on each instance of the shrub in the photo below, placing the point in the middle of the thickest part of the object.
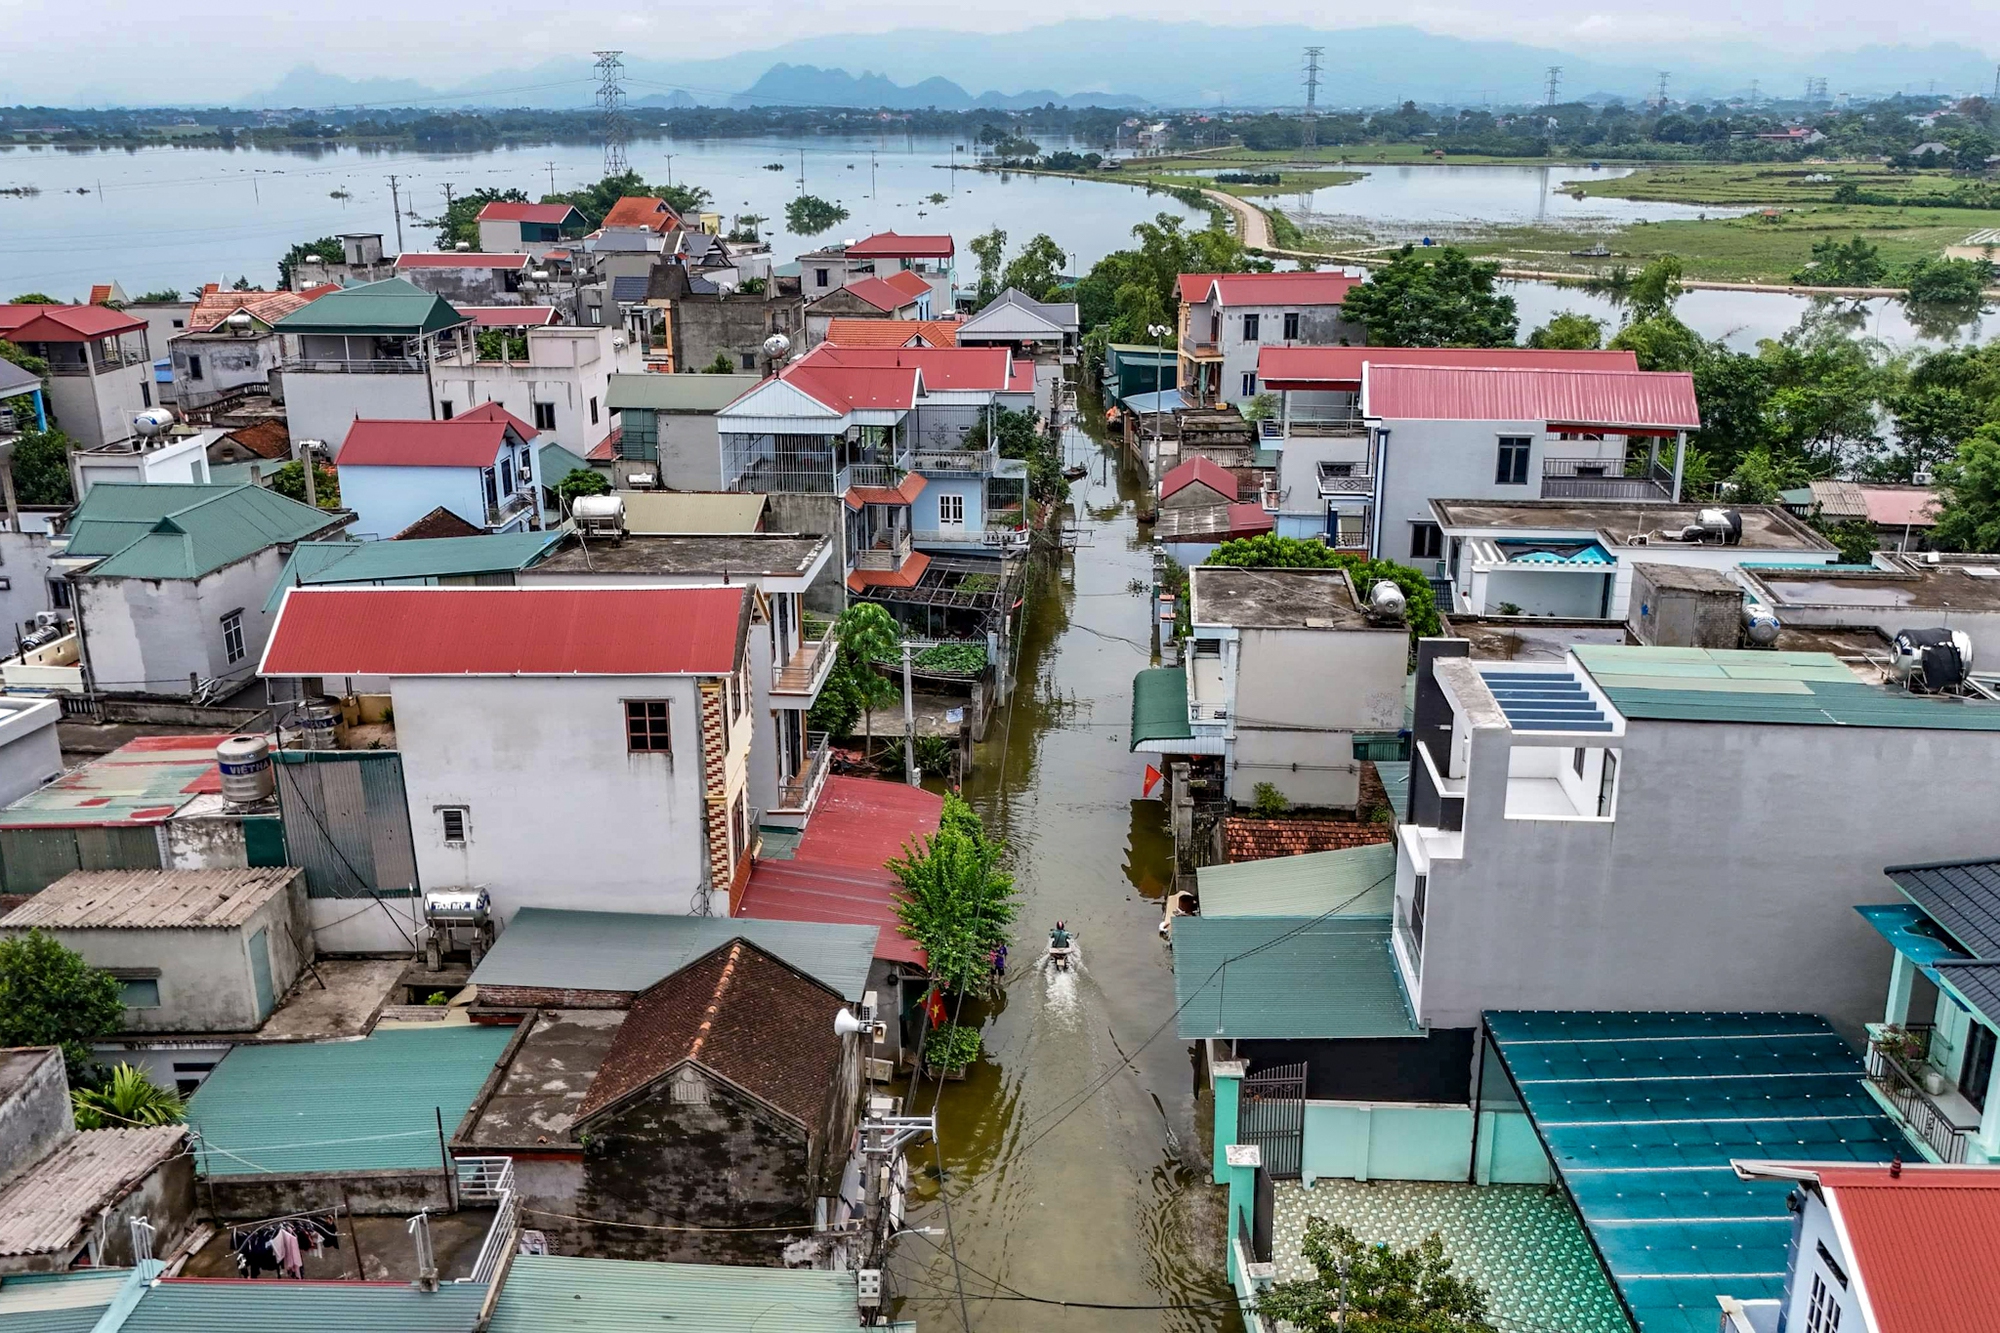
(953, 1047)
(1267, 801)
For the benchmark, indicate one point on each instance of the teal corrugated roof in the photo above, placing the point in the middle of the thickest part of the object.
(549, 947)
(197, 1305)
(391, 308)
(1395, 775)
(341, 1105)
(1159, 706)
(418, 560)
(548, 1292)
(1306, 979)
(183, 531)
(1746, 685)
(70, 1302)
(557, 462)
(1352, 881)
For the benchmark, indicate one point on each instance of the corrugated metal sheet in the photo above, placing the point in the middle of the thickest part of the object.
(456, 443)
(151, 899)
(341, 1105)
(1962, 896)
(347, 822)
(1923, 1242)
(183, 531)
(1159, 706)
(1661, 400)
(45, 1208)
(629, 951)
(57, 1302)
(1340, 367)
(894, 245)
(1976, 983)
(31, 859)
(1353, 881)
(204, 1305)
(677, 393)
(1306, 979)
(546, 1292)
(1202, 470)
(392, 308)
(507, 632)
(415, 560)
(1801, 689)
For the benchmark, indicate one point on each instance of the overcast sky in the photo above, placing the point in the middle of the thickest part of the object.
(216, 45)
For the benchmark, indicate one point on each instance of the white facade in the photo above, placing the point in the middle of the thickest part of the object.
(97, 409)
(175, 460)
(560, 389)
(1219, 343)
(153, 635)
(30, 753)
(321, 404)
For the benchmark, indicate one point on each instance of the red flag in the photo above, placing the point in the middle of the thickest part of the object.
(1150, 783)
(934, 1008)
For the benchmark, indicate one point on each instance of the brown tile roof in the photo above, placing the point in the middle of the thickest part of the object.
(266, 439)
(655, 215)
(1246, 839)
(738, 1013)
(217, 304)
(848, 331)
(440, 522)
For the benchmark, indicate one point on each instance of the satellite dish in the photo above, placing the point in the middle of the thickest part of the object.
(777, 345)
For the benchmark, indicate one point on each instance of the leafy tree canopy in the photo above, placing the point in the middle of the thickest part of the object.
(1569, 331)
(1037, 270)
(164, 296)
(594, 201)
(50, 997)
(326, 247)
(1273, 552)
(290, 482)
(41, 468)
(460, 220)
(125, 1100)
(809, 215)
(1375, 1288)
(34, 365)
(1947, 282)
(1969, 495)
(956, 901)
(1433, 298)
(583, 481)
(1853, 263)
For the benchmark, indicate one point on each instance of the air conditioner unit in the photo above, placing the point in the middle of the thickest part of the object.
(1921, 477)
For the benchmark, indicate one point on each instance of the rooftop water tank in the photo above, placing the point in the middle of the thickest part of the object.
(245, 762)
(599, 513)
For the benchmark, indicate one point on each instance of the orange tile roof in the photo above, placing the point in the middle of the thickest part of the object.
(851, 332)
(910, 488)
(907, 577)
(216, 304)
(1260, 839)
(642, 211)
(911, 284)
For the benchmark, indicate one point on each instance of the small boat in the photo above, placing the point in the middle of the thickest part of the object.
(1598, 251)
(1075, 472)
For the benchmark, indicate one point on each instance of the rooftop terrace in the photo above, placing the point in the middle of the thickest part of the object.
(1765, 527)
(1276, 598)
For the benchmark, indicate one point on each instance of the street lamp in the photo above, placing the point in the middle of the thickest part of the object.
(1158, 333)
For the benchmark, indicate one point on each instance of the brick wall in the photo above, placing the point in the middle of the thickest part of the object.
(714, 780)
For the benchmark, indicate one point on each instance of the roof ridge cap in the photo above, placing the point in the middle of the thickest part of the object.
(715, 1002)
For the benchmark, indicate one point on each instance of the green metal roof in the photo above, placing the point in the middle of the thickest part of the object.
(546, 1292)
(194, 1305)
(391, 308)
(70, 1302)
(418, 560)
(1159, 706)
(1395, 775)
(1748, 685)
(341, 1105)
(1352, 881)
(677, 393)
(183, 531)
(1304, 978)
(558, 462)
(629, 951)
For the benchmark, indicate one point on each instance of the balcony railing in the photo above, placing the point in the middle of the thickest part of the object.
(1356, 480)
(509, 506)
(1201, 351)
(1602, 479)
(800, 793)
(803, 676)
(1324, 423)
(888, 556)
(959, 462)
(484, 1180)
(1903, 1090)
(880, 476)
(331, 365)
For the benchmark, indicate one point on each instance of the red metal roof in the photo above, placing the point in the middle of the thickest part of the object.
(837, 873)
(606, 449)
(1285, 288)
(1895, 506)
(846, 388)
(1340, 367)
(888, 245)
(908, 576)
(878, 292)
(1249, 519)
(64, 323)
(490, 411)
(553, 214)
(1194, 287)
(508, 316)
(852, 332)
(465, 441)
(945, 369)
(459, 259)
(910, 284)
(1659, 399)
(1200, 469)
(1922, 1244)
(655, 215)
(508, 632)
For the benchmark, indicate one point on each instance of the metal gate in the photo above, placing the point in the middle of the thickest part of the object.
(1272, 1115)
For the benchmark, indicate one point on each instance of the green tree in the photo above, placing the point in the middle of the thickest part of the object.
(1932, 420)
(809, 215)
(1128, 290)
(41, 468)
(50, 997)
(1375, 1288)
(1855, 263)
(1433, 298)
(1663, 343)
(1273, 552)
(125, 1100)
(582, 481)
(290, 482)
(326, 247)
(459, 223)
(594, 201)
(724, 364)
(1968, 517)
(1856, 539)
(1947, 282)
(1655, 289)
(164, 296)
(990, 249)
(35, 298)
(500, 345)
(1037, 270)
(1755, 480)
(20, 356)
(956, 902)
(866, 634)
(1569, 331)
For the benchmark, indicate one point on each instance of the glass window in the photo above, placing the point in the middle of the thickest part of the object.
(194, 367)
(1419, 902)
(59, 594)
(1576, 761)
(593, 411)
(1823, 1309)
(545, 416)
(1250, 326)
(452, 818)
(1606, 785)
(140, 992)
(1978, 1075)
(1426, 541)
(1513, 466)
(1249, 384)
(445, 409)
(951, 511)
(232, 637)
(1291, 325)
(646, 727)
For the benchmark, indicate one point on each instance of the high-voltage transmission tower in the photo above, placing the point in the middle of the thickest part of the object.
(611, 102)
(1664, 75)
(1815, 92)
(1554, 83)
(1310, 136)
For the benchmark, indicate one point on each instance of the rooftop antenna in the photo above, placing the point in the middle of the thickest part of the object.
(1309, 135)
(611, 102)
(1555, 79)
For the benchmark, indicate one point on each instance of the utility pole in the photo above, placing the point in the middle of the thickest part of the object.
(1309, 136)
(1996, 83)
(1753, 92)
(871, 177)
(802, 171)
(1664, 74)
(396, 204)
(1555, 78)
(552, 177)
(611, 102)
(447, 200)
(670, 171)
(910, 774)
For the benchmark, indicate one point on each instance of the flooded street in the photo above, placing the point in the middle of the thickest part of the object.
(1071, 1154)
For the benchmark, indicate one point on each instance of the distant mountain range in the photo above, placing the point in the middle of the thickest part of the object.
(1138, 62)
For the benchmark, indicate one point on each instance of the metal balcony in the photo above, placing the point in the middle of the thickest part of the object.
(887, 557)
(960, 462)
(1900, 1088)
(1602, 479)
(798, 683)
(798, 794)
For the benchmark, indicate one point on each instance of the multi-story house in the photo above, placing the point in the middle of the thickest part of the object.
(1044, 332)
(555, 377)
(690, 321)
(468, 277)
(665, 434)
(1370, 436)
(1228, 319)
(100, 366)
(480, 467)
(930, 257)
(900, 297)
(229, 348)
(582, 747)
(367, 351)
(532, 229)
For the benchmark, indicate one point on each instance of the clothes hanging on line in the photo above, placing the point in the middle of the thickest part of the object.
(280, 1247)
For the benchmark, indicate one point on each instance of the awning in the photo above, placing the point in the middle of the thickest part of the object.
(1911, 933)
(1160, 712)
(1304, 978)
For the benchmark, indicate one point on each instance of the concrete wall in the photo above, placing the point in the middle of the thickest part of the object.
(690, 452)
(824, 516)
(24, 567)
(1458, 460)
(386, 500)
(1726, 879)
(166, 1199)
(35, 1117)
(226, 364)
(180, 460)
(738, 325)
(468, 286)
(567, 368)
(30, 752)
(924, 509)
(597, 829)
(1400, 1141)
(1571, 594)
(393, 1193)
(1319, 326)
(1331, 683)
(323, 406)
(149, 634)
(96, 410)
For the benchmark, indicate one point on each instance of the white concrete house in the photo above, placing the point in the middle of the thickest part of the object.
(30, 751)
(562, 747)
(1228, 319)
(533, 229)
(366, 351)
(100, 366)
(561, 388)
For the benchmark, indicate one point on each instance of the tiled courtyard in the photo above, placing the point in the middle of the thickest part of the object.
(1520, 1243)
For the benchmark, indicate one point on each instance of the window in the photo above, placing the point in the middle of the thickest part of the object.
(444, 409)
(1606, 785)
(748, 360)
(1250, 323)
(507, 475)
(593, 411)
(59, 594)
(140, 992)
(232, 637)
(1291, 326)
(1823, 1308)
(688, 1089)
(1208, 647)
(1576, 761)
(1978, 1067)
(646, 730)
(194, 367)
(1426, 541)
(951, 511)
(145, 394)
(453, 820)
(180, 323)
(1249, 384)
(1419, 901)
(545, 416)
(1513, 466)
(819, 277)
(597, 314)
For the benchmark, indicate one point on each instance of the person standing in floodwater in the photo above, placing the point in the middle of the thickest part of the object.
(1000, 963)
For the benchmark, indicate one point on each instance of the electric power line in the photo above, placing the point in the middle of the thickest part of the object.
(611, 102)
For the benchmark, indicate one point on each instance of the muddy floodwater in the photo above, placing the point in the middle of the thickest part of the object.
(1071, 1154)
